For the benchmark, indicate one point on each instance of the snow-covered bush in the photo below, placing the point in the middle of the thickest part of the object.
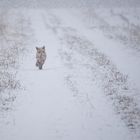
(12, 41)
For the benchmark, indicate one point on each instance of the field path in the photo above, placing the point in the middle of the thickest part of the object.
(57, 103)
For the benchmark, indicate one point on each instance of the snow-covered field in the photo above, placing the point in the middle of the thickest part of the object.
(89, 87)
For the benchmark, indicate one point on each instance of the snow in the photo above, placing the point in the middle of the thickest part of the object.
(88, 88)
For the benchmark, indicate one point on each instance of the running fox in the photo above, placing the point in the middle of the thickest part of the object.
(40, 56)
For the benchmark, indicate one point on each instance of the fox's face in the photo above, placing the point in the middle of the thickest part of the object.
(40, 50)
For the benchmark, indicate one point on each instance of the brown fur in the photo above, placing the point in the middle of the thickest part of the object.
(40, 57)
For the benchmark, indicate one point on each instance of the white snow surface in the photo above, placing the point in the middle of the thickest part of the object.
(89, 86)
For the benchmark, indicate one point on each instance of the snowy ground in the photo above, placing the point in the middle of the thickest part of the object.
(89, 87)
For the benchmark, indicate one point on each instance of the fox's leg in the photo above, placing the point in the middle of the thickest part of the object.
(37, 63)
(40, 66)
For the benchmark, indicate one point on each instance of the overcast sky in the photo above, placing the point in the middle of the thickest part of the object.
(67, 3)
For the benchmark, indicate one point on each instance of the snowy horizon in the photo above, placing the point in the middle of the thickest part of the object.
(68, 3)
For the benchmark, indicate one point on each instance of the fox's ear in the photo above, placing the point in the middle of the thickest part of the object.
(43, 47)
(36, 48)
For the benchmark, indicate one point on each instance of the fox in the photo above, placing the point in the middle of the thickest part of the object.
(40, 57)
